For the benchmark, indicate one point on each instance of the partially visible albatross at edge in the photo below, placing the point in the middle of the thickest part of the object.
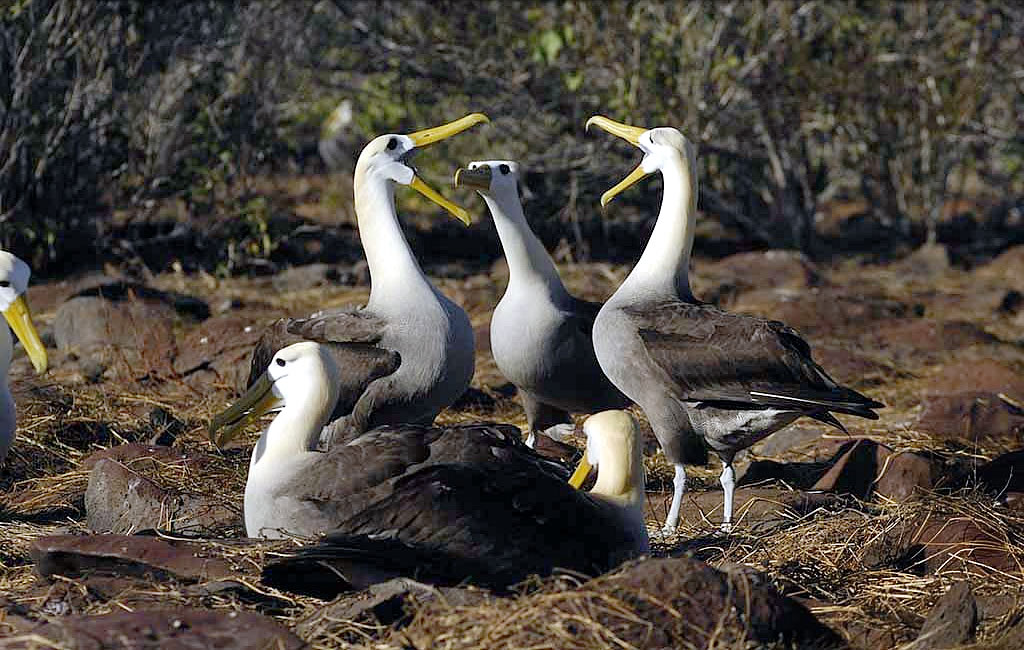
(699, 372)
(14, 275)
(540, 334)
(462, 502)
(409, 352)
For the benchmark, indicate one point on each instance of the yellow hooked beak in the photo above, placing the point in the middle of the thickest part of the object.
(581, 473)
(436, 134)
(20, 319)
(477, 179)
(628, 133)
(256, 401)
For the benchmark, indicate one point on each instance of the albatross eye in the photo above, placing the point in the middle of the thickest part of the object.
(392, 143)
(280, 362)
(503, 168)
(5, 283)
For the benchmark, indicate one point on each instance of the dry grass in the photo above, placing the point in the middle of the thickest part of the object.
(839, 559)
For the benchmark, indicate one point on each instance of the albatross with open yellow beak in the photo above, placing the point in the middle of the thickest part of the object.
(471, 500)
(701, 374)
(14, 275)
(409, 352)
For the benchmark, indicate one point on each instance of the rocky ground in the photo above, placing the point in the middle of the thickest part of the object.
(905, 532)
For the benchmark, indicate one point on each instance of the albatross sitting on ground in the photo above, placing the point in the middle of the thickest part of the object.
(14, 275)
(701, 373)
(540, 334)
(463, 502)
(409, 352)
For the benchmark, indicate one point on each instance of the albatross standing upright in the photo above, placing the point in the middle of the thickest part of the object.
(701, 373)
(473, 501)
(409, 352)
(14, 275)
(540, 334)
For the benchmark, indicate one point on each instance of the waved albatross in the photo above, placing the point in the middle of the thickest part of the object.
(14, 275)
(701, 373)
(409, 352)
(540, 333)
(468, 501)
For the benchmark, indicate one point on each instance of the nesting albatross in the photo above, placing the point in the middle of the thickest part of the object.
(409, 352)
(14, 275)
(540, 333)
(701, 373)
(464, 501)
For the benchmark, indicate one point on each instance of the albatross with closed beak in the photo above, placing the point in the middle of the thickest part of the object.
(409, 352)
(14, 275)
(540, 334)
(701, 373)
(472, 497)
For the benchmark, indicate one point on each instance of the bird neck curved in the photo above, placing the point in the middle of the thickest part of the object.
(529, 264)
(620, 472)
(392, 265)
(295, 429)
(663, 270)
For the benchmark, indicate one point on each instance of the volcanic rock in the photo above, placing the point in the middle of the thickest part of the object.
(865, 467)
(970, 416)
(984, 375)
(219, 350)
(951, 622)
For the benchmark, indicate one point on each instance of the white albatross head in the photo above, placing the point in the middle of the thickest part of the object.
(662, 147)
(301, 382)
(389, 157)
(14, 275)
(614, 449)
(490, 177)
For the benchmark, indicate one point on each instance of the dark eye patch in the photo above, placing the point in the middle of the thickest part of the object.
(504, 169)
(280, 362)
(5, 283)
(392, 143)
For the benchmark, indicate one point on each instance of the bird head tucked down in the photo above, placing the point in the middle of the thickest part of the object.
(301, 382)
(14, 275)
(663, 147)
(389, 157)
(490, 177)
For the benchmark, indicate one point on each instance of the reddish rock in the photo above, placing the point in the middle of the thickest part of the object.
(983, 375)
(917, 335)
(951, 622)
(127, 493)
(971, 416)
(170, 629)
(826, 310)
(124, 555)
(959, 544)
(721, 281)
(218, 351)
(865, 467)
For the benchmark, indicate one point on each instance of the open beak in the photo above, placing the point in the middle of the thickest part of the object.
(20, 319)
(436, 134)
(477, 179)
(256, 401)
(630, 134)
(581, 473)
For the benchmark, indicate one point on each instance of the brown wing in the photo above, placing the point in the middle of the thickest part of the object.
(349, 334)
(716, 356)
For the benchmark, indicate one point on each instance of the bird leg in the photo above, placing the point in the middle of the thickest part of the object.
(679, 485)
(728, 481)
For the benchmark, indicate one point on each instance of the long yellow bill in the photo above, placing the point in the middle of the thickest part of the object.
(256, 401)
(438, 133)
(477, 179)
(630, 134)
(20, 318)
(453, 209)
(581, 473)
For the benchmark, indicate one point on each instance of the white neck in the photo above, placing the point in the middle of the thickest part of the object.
(7, 413)
(295, 429)
(664, 268)
(394, 270)
(529, 265)
(620, 473)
